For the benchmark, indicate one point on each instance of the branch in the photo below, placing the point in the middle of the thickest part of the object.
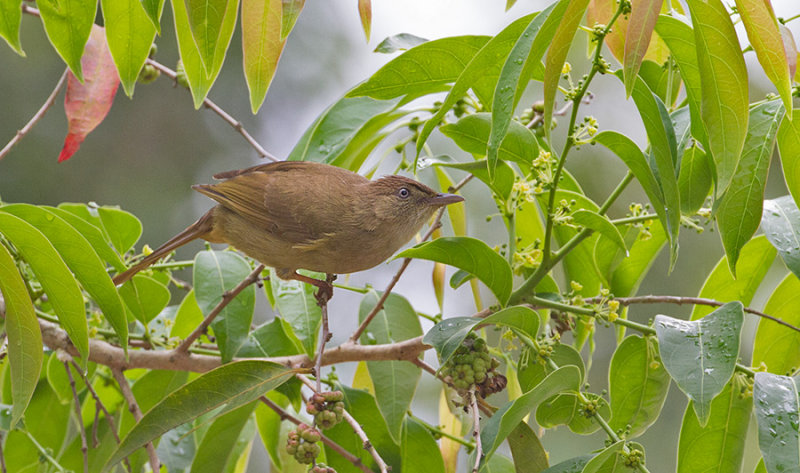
(38, 116)
(476, 429)
(78, 416)
(356, 461)
(236, 124)
(227, 297)
(133, 407)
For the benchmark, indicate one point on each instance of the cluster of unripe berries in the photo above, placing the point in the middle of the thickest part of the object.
(327, 408)
(302, 444)
(472, 366)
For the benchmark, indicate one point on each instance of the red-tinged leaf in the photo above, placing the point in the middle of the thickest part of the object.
(601, 11)
(262, 46)
(644, 14)
(557, 54)
(291, 10)
(766, 39)
(365, 12)
(790, 49)
(88, 104)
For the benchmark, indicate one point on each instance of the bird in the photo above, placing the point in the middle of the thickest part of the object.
(294, 215)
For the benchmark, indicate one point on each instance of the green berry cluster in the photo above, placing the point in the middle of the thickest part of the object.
(321, 468)
(327, 408)
(302, 444)
(471, 365)
(635, 458)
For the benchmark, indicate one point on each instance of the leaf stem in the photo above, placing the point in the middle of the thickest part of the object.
(439, 432)
(43, 452)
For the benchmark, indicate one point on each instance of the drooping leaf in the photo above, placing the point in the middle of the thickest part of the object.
(701, 355)
(526, 449)
(470, 255)
(765, 38)
(10, 20)
(790, 49)
(778, 414)
(638, 385)
(694, 180)
(262, 45)
(447, 335)
(68, 24)
(719, 446)
(781, 225)
(420, 453)
(206, 19)
(399, 42)
(129, 32)
(739, 211)
(154, 8)
(365, 13)
(754, 260)
(217, 450)
(471, 133)
(225, 388)
(776, 345)
(296, 303)
(24, 338)
(423, 69)
(290, 11)
(145, 297)
(58, 283)
(789, 148)
(395, 381)
(641, 22)
(215, 273)
(723, 80)
(88, 103)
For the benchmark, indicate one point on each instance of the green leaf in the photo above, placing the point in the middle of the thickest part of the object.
(471, 255)
(273, 338)
(217, 449)
(447, 335)
(81, 259)
(68, 24)
(336, 127)
(526, 449)
(206, 18)
(525, 55)
(599, 461)
(505, 420)
(123, 228)
(94, 235)
(187, 317)
(177, 448)
(269, 428)
(701, 355)
(694, 180)
(395, 381)
(201, 76)
(531, 373)
(638, 385)
(600, 224)
(776, 345)
(24, 338)
(723, 80)
(778, 414)
(629, 274)
(10, 20)
(399, 42)
(154, 8)
(228, 387)
(296, 303)
(754, 260)
(57, 281)
(573, 465)
(565, 409)
(765, 38)
(129, 33)
(740, 209)
(789, 148)
(215, 273)
(503, 180)
(679, 38)
(471, 133)
(781, 225)
(262, 45)
(59, 381)
(420, 452)
(422, 70)
(663, 81)
(641, 22)
(290, 11)
(145, 297)
(560, 44)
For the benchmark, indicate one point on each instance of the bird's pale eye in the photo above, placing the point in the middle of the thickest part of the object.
(403, 193)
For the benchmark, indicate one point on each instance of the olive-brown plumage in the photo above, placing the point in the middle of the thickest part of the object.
(305, 215)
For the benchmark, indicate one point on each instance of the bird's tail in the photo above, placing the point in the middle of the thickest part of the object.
(200, 229)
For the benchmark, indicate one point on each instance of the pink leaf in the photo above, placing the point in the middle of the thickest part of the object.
(88, 104)
(790, 49)
(365, 12)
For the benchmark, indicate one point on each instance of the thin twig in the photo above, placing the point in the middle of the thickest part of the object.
(384, 468)
(99, 406)
(356, 461)
(379, 305)
(227, 297)
(2, 457)
(324, 336)
(133, 407)
(38, 116)
(236, 124)
(476, 429)
(78, 417)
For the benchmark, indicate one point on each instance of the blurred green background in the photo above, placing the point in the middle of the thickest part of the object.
(149, 151)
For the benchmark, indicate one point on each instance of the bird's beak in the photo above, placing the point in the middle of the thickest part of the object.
(445, 199)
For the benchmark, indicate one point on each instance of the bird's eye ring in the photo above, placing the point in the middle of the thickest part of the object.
(403, 193)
